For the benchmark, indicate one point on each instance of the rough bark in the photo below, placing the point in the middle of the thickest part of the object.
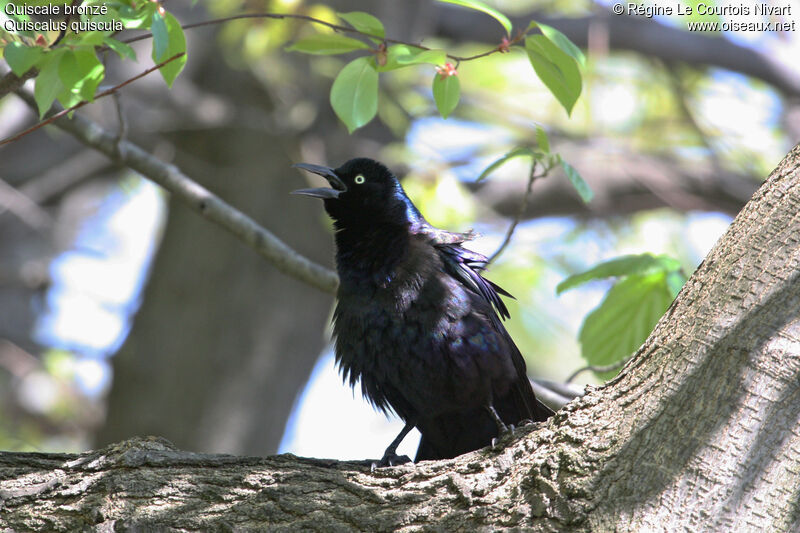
(699, 432)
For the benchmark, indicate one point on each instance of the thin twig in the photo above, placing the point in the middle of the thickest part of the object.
(11, 83)
(84, 102)
(598, 369)
(556, 395)
(335, 27)
(122, 131)
(522, 207)
(63, 32)
(23, 207)
(54, 182)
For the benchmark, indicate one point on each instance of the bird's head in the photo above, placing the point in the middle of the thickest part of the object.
(362, 191)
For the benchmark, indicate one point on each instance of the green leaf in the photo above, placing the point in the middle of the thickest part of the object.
(133, 18)
(675, 282)
(626, 265)
(417, 56)
(20, 57)
(624, 319)
(175, 44)
(48, 85)
(577, 181)
(160, 37)
(480, 6)
(557, 70)
(90, 38)
(560, 40)
(401, 55)
(70, 73)
(80, 72)
(519, 151)
(327, 44)
(354, 94)
(542, 141)
(394, 54)
(68, 99)
(123, 49)
(364, 22)
(446, 93)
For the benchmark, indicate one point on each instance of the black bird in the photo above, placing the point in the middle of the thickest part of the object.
(416, 322)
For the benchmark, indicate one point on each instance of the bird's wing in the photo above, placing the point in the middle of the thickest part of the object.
(466, 266)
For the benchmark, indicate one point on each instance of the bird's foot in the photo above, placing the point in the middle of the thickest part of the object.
(390, 459)
(504, 435)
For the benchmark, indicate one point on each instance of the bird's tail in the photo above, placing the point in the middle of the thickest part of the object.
(453, 434)
(525, 405)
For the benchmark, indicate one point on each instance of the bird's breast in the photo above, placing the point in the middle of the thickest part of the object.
(416, 342)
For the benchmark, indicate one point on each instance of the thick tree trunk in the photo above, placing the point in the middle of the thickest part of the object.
(699, 432)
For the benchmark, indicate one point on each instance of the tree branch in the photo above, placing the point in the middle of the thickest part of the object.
(23, 207)
(556, 395)
(54, 182)
(10, 82)
(197, 198)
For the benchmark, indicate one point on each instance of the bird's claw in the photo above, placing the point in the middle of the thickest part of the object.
(506, 434)
(390, 459)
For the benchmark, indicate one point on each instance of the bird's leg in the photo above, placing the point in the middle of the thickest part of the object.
(390, 457)
(502, 428)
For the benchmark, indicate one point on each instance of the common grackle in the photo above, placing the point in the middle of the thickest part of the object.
(416, 322)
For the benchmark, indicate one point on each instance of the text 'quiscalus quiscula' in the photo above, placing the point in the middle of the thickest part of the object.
(416, 322)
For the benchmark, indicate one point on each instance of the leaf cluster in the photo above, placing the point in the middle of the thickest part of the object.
(541, 155)
(646, 285)
(354, 93)
(68, 64)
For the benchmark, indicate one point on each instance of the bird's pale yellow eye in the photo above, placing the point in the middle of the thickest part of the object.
(359, 179)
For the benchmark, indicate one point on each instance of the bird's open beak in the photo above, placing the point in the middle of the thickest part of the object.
(322, 192)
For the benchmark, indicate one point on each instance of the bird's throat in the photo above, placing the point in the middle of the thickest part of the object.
(370, 254)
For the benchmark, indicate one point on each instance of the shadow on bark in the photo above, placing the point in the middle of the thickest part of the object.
(669, 450)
